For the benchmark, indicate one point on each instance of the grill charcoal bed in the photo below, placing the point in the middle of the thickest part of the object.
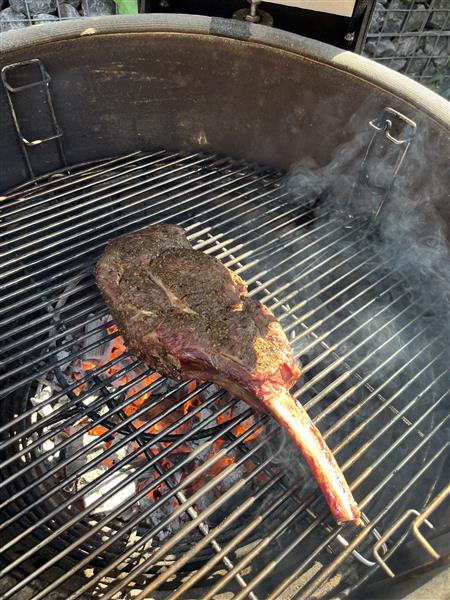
(115, 480)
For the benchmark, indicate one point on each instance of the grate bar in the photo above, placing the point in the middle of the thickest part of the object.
(364, 474)
(365, 532)
(88, 378)
(406, 433)
(263, 573)
(191, 511)
(331, 407)
(238, 175)
(27, 201)
(321, 578)
(326, 370)
(182, 533)
(191, 554)
(205, 513)
(64, 346)
(238, 485)
(242, 535)
(135, 475)
(91, 249)
(305, 249)
(95, 294)
(45, 183)
(172, 165)
(128, 553)
(199, 204)
(193, 175)
(323, 280)
(340, 322)
(98, 440)
(375, 413)
(258, 549)
(60, 413)
(34, 410)
(322, 415)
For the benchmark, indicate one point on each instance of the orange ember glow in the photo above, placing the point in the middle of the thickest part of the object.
(142, 398)
(240, 430)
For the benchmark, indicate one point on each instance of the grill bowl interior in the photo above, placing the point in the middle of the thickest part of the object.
(374, 356)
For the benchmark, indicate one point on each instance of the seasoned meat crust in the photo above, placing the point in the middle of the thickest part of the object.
(188, 316)
(183, 312)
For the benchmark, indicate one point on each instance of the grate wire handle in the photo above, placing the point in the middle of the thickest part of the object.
(393, 134)
(11, 90)
(417, 519)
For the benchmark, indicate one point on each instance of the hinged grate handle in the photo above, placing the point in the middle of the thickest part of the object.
(419, 519)
(11, 90)
(393, 133)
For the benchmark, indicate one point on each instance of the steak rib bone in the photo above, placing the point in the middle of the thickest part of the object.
(189, 317)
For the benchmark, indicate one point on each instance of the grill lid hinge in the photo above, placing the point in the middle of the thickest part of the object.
(42, 100)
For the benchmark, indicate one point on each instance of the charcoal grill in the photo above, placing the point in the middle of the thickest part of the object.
(117, 483)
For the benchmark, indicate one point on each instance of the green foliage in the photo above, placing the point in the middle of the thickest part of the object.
(440, 81)
(126, 7)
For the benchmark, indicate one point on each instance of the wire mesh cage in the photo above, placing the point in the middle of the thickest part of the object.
(17, 14)
(413, 37)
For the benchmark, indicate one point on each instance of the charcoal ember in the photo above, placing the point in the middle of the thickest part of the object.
(35, 7)
(9, 19)
(94, 8)
(68, 11)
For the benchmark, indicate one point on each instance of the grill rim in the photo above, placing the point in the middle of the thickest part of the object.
(349, 63)
(352, 68)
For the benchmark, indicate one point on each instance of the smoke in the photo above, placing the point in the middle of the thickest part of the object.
(409, 232)
(373, 303)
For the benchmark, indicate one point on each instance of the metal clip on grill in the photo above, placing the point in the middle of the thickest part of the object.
(43, 83)
(393, 134)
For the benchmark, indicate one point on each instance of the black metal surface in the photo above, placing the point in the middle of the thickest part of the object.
(249, 519)
(322, 26)
(298, 99)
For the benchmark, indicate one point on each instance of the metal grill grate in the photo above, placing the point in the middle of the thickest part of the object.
(114, 479)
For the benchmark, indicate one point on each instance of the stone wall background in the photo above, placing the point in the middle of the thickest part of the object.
(413, 37)
(410, 36)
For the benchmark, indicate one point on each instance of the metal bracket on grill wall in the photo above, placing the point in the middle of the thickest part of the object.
(43, 82)
(393, 133)
(419, 520)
